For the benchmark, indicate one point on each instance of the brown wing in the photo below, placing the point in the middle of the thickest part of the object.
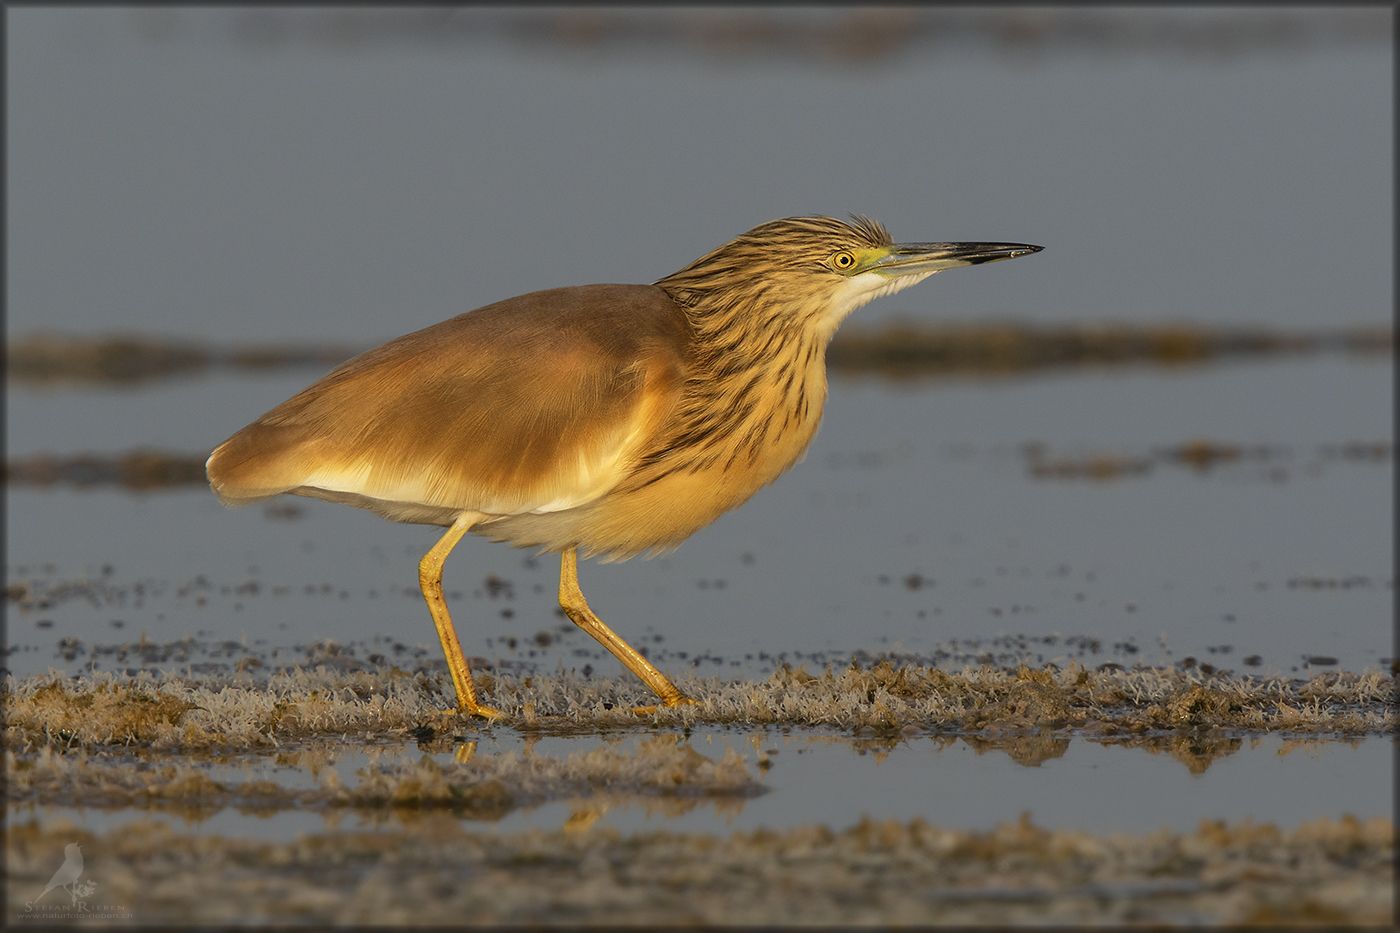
(537, 403)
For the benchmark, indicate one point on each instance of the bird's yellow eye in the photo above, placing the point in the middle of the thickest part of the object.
(843, 261)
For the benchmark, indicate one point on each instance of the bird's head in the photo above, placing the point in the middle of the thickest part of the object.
(819, 269)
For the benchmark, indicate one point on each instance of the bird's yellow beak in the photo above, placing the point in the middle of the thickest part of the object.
(922, 258)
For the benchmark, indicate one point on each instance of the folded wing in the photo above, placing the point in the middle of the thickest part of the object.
(535, 404)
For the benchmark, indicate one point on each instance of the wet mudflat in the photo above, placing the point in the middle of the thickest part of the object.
(257, 780)
(440, 873)
(971, 723)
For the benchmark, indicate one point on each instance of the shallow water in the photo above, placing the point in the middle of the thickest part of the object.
(1280, 556)
(835, 780)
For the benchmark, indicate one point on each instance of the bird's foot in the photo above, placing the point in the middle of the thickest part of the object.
(680, 699)
(473, 709)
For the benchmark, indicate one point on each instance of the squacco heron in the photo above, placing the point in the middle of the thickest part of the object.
(614, 419)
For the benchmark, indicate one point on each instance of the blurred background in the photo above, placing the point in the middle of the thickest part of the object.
(325, 179)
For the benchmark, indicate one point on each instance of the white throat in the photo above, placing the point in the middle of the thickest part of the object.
(860, 290)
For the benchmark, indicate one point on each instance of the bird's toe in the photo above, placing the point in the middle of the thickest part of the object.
(679, 700)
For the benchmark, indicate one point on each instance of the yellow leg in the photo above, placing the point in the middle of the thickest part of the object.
(571, 599)
(430, 582)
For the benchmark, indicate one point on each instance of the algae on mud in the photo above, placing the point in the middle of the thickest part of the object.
(146, 744)
(439, 872)
(256, 707)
